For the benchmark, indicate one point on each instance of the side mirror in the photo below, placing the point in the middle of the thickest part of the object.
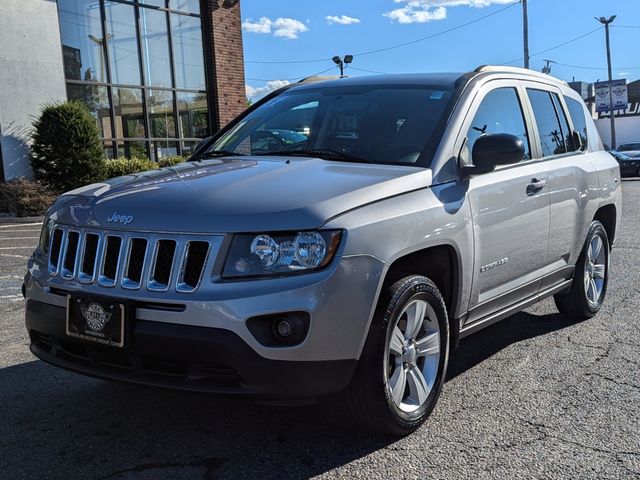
(493, 149)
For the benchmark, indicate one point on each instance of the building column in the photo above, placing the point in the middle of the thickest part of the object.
(224, 60)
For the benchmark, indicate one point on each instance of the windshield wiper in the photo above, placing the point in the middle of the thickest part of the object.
(324, 153)
(220, 153)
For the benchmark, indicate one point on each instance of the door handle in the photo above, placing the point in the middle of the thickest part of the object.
(535, 186)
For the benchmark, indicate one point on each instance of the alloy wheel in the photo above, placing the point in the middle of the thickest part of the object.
(413, 356)
(595, 271)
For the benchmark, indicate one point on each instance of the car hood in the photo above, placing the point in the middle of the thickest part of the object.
(234, 194)
(632, 154)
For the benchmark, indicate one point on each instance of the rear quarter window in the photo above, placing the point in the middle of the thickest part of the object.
(576, 111)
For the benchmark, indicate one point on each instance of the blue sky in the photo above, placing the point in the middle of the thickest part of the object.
(315, 31)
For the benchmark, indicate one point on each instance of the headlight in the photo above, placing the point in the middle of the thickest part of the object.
(277, 253)
(45, 235)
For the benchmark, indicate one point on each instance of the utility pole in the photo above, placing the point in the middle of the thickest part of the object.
(525, 31)
(606, 22)
(547, 67)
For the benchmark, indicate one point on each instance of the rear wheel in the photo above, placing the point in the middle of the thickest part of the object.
(404, 360)
(586, 295)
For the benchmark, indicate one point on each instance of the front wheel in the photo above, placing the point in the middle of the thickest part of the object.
(586, 295)
(404, 360)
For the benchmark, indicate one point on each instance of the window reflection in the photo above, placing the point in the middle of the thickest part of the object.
(161, 149)
(187, 51)
(549, 129)
(161, 114)
(127, 103)
(118, 55)
(123, 44)
(96, 99)
(82, 42)
(193, 116)
(192, 6)
(132, 149)
(155, 46)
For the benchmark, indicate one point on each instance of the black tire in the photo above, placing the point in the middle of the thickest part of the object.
(574, 303)
(368, 398)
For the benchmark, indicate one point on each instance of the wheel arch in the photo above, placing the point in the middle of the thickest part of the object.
(607, 215)
(442, 265)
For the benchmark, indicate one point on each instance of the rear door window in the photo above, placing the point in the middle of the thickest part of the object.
(553, 126)
(499, 112)
(576, 111)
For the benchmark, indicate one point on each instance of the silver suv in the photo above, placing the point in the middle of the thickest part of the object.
(339, 236)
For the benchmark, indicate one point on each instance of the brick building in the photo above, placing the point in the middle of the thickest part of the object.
(157, 75)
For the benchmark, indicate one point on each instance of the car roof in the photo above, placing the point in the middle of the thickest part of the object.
(431, 79)
(450, 80)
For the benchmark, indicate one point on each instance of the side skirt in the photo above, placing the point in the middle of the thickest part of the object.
(513, 309)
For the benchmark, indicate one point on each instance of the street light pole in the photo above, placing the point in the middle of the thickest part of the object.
(606, 22)
(342, 63)
(525, 32)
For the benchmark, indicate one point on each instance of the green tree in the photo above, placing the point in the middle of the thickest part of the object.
(66, 150)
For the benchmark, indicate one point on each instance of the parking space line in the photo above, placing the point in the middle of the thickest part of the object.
(8, 297)
(11, 255)
(21, 225)
(29, 247)
(18, 238)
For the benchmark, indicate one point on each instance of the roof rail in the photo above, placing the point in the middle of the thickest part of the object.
(525, 71)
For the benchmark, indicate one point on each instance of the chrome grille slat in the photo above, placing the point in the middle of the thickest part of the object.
(156, 262)
(69, 260)
(135, 262)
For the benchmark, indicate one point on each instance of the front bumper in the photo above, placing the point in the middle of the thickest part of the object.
(630, 169)
(183, 357)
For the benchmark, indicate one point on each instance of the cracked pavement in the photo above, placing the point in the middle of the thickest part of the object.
(534, 396)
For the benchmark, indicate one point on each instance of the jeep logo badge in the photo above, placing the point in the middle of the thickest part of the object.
(118, 218)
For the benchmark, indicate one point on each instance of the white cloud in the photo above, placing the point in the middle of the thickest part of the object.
(422, 11)
(257, 92)
(280, 27)
(342, 19)
(263, 25)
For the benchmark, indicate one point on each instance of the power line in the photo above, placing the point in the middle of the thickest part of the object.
(292, 79)
(583, 67)
(555, 47)
(366, 70)
(438, 33)
(384, 49)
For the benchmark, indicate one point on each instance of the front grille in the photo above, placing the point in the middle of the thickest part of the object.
(163, 265)
(131, 260)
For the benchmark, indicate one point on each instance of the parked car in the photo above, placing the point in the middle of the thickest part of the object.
(418, 209)
(631, 149)
(629, 166)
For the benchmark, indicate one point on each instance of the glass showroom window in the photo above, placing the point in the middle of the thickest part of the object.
(138, 66)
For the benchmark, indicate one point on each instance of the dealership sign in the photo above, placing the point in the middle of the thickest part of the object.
(611, 94)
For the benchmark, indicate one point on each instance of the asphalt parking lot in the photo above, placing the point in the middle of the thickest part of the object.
(534, 396)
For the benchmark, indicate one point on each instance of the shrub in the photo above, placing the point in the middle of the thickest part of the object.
(24, 198)
(126, 166)
(67, 152)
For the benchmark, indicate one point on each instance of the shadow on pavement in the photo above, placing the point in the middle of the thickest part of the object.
(489, 341)
(55, 424)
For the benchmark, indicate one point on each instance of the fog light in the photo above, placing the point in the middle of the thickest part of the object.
(284, 328)
(288, 330)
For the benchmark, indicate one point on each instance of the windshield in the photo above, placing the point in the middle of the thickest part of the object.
(377, 124)
(626, 147)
